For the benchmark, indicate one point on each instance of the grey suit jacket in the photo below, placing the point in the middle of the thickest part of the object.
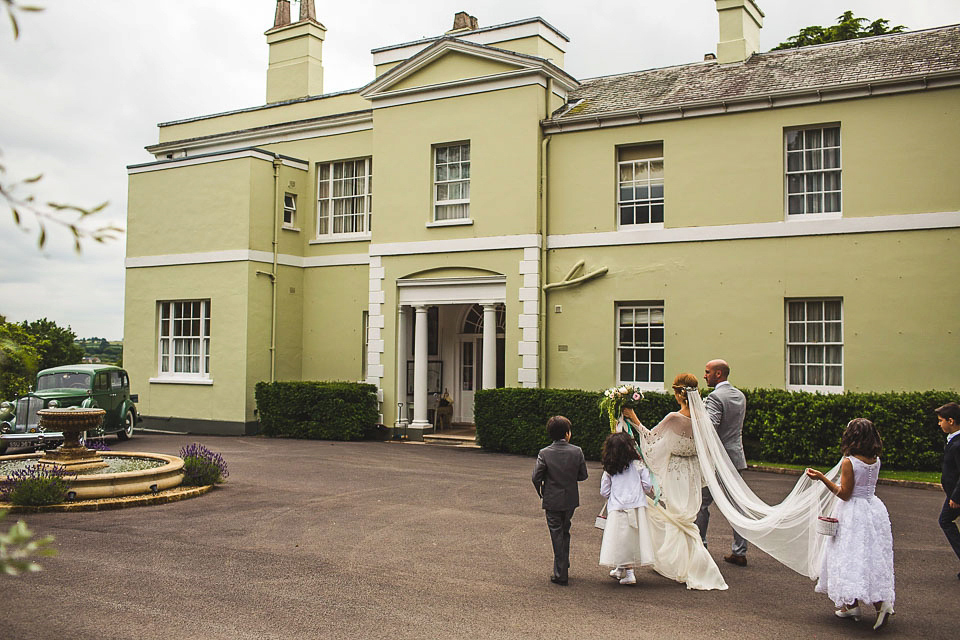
(727, 406)
(559, 467)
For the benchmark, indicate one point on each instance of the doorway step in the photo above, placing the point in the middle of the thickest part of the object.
(464, 437)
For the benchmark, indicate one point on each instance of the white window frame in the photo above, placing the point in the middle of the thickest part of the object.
(326, 214)
(813, 342)
(169, 314)
(649, 308)
(813, 178)
(290, 211)
(646, 181)
(462, 166)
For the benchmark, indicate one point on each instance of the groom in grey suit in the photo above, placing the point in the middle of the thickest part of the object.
(726, 406)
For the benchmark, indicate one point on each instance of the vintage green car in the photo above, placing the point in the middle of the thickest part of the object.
(81, 385)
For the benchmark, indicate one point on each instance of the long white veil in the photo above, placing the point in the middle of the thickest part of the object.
(786, 531)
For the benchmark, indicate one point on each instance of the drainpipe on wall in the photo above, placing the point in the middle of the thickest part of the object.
(544, 147)
(273, 274)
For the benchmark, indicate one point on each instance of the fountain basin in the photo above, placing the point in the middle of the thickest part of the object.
(91, 486)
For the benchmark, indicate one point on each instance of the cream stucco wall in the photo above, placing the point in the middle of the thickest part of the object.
(899, 155)
(725, 299)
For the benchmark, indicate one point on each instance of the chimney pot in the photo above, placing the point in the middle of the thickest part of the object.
(282, 16)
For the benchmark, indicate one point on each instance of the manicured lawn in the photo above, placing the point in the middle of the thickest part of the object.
(913, 476)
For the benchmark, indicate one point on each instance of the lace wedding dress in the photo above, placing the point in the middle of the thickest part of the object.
(679, 553)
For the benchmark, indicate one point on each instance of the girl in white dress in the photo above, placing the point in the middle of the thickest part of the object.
(626, 538)
(670, 451)
(858, 561)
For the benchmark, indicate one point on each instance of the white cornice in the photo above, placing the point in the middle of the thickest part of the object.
(788, 229)
(486, 36)
(489, 243)
(795, 98)
(272, 134)
(246, 255)
(218, 156)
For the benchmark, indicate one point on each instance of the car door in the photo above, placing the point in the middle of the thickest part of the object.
(102, 398)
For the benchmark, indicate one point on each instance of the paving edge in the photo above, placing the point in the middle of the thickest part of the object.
(911, 484)
(106, 504)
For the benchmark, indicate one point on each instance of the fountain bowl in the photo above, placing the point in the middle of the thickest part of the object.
(91, 486)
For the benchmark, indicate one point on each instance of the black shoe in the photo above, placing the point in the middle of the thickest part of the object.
(556, 580)
(740, 561)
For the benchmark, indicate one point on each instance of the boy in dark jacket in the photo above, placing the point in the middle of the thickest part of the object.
(949, 418)
(558, 470)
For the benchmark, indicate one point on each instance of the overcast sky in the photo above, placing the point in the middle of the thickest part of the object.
(85, 85)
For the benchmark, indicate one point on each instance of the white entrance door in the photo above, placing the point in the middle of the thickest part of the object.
(469, 374)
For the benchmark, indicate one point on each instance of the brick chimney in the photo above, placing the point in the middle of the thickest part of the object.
(463, 21)
(295, 69)
(740, 24)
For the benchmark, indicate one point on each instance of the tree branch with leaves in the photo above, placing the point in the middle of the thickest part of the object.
(848, 27)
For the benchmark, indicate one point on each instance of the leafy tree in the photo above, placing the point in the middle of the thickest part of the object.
(17, 545)
(848, 27)
(55, 344)
(18, 360)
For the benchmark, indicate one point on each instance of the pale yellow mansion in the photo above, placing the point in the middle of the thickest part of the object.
(477, 217)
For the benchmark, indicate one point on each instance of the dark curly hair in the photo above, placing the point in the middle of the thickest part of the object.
(861, 438)
(619, 450)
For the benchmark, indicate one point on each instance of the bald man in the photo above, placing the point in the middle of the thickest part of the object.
(726, 406)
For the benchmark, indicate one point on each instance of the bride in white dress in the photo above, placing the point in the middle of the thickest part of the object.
(671, 454)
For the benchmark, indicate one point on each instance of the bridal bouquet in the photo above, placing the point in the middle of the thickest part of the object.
(616, 399)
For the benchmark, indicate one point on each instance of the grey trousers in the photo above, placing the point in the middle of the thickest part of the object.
(739, 546)
(558, 522)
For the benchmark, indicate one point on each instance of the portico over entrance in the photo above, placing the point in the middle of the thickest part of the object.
(450, 342)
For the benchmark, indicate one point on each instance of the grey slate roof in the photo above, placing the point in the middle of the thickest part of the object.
(875, 59)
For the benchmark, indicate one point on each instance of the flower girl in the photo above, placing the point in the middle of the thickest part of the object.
(858, 561)
(626, 539)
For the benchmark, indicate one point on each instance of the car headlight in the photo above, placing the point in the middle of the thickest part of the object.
(6, 405)
(53, 404)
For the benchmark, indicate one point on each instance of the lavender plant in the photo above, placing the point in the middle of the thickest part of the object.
(202, 466)
(36, 485)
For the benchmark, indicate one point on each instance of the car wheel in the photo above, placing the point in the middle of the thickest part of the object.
(128, 421)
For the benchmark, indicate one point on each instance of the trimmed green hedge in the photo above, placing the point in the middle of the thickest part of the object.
(780, 426)
(317, 410)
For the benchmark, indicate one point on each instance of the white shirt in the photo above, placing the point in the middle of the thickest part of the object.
(626, 489)
(720, 384)
(950, 435)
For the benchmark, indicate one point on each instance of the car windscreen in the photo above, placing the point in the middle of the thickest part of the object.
(63, 381)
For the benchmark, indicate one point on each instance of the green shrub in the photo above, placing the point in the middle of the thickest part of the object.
(202, 467)
(780, 426)
(318, 410)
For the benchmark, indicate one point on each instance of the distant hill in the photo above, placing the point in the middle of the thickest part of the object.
(101, 350)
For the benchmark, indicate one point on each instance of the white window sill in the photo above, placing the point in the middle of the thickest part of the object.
(286, 228)
(814, 389)
(810, 217)
(649, 226)
(342, 237)
(450, 223)
(200, 381)
(646, 386)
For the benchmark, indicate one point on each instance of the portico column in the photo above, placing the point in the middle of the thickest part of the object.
(420, 368)
(489, 379)
(402, 348)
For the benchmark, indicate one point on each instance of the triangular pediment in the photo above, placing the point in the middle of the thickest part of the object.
(450, 62)
(453, 66)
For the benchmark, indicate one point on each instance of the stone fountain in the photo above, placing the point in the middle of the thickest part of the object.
(72, 455)
(83, 465)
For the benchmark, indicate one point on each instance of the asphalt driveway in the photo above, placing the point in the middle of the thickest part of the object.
(315, 539)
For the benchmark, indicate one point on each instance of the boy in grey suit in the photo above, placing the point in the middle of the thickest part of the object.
(558, 470)
(726, 406)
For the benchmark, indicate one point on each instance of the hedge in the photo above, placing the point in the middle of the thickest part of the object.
(780, 426)
(317, 410)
